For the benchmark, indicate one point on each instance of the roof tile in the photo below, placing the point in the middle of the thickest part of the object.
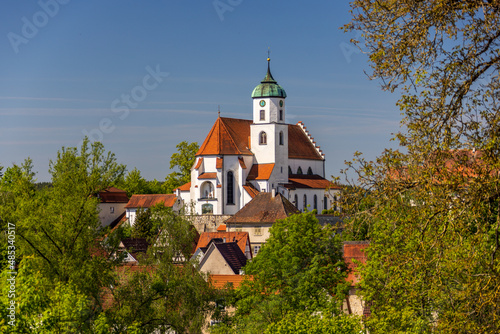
(260, 172)
(147, 201)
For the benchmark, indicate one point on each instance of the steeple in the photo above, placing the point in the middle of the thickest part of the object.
(268, 86)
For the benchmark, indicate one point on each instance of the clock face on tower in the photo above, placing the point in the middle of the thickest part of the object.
(281, 103)
(262, 103)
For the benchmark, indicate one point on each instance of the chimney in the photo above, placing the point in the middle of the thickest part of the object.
(273, 192)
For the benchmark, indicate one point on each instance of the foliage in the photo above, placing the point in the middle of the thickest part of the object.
(143, 225)
(304, 323)
(431, 210)
(183, 160)
(167, 288)
(70, 275)
(299, 269)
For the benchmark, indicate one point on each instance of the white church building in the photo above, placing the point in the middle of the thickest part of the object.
(240, 158)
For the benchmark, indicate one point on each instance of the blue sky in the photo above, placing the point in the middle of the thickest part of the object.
(71, 67)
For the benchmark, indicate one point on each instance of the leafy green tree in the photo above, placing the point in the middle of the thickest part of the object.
(169, 291)
(134, 183)
(304, 323)
(144, 226)
(433, 215)
(182, 160)
(299, 269)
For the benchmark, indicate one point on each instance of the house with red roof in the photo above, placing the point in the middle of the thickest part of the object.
(137, 202)
(240, 158)
(112, 206)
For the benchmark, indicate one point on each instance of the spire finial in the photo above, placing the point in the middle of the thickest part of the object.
(218, 110)
(269, 54)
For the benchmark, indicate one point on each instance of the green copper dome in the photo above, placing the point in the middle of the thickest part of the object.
(268, 87)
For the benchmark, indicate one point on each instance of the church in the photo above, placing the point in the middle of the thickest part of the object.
(241, 158)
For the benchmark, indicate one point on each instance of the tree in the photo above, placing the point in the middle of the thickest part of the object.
(433, 215)
(134, 183)
(299, 269)
(183, 160)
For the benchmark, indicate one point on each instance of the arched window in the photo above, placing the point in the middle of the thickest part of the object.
(325, 203)
(305, 202)
(315, 202)
(299, 171)
(281, 114)
(296, 200)
(281, 137)
(262, 115)
(309, 171)
(230, 187)
(289, 170)
(207, 190)
(335, 203)
(263, 138)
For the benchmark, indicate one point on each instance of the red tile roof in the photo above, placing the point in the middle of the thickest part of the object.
(218, 163)
(353, 255)
(206, 176)
(227, 136)
(309, 181)
(184, 187)
(221, 281)
(232, 136)
(147, 201)
(260, 172)
(251, 190)
(264, 209)
(300, 146)
(233, 255)
(113, 195)
(239, 237)
(198, 164)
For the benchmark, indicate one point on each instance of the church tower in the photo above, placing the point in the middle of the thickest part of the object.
(269, 132)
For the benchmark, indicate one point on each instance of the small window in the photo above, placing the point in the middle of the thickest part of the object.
(281, 170)
(281, 115)
(296, 200)
(258, 231)
(290, 170)
(325, 203)
(281, 137)
(309, 171)
(315, 202)
(263, 138)
(305, 202)
(256, 249)
(112, 209)
(299, 171)
(230, 188)
(262, 115)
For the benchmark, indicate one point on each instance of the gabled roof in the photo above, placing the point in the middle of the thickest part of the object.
(233, 255)
(241, 238)
(227, 136)
(264, 208)
(309, 181)
(198, 164)
(147, 201)
(260, 172)
(250, 189)
(232, 136)
(242, 163)
(299, 144)
(135, 246)
(113, 195)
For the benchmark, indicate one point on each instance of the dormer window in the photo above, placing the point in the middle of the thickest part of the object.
(262, 115)
(263, 138)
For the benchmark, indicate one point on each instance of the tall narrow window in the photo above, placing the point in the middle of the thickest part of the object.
(262, 115)
(296, 200)
(281, 115)
(325, 204)
(309, 171)
(299, 171)
(230, 188)
(335, 203)
(263, 138)
(290, 170)
(305, 202)
(281, 137)
(315, 202)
